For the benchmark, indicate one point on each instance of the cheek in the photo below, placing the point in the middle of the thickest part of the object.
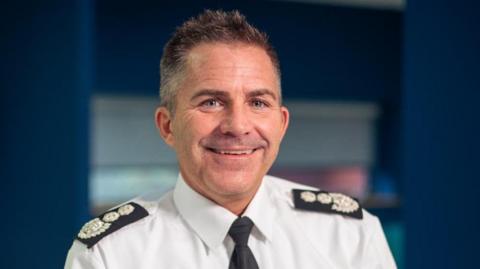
(271, 129)
(193, 128)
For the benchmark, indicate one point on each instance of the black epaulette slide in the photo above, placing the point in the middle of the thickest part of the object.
(329, 202)
(109, 222)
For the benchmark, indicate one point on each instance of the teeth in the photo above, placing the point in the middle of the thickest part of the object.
(234, 152)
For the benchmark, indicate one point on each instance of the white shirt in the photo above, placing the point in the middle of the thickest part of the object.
(186, 230)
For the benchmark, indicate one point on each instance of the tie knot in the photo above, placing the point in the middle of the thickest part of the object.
(240, 230)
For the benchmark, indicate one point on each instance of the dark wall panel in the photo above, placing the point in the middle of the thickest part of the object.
(441, 120)
(46, 81)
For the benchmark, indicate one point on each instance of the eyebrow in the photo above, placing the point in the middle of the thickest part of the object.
(220, 93)
(261, 92)
(209, 92)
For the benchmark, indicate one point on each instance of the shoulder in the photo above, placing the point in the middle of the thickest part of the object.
(124, 218)
(305, 198)
(84, 251)
(110, 222)
(323, 213)
(320, 214)
(117, 229)
(329, 222)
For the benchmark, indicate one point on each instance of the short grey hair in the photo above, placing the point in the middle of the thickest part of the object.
(211, 26)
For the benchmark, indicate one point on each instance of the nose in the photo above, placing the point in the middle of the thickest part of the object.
(236, 121)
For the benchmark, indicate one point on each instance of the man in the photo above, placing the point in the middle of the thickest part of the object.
(221, 112)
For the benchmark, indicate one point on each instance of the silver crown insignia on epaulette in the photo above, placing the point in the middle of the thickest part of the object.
(340, 202)
(98, 226)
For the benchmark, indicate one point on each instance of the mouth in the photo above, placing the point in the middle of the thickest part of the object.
(233, 152)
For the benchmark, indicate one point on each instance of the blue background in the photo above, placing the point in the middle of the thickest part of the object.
(420, 65)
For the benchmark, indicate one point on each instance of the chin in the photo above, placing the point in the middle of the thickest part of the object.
(234, 183)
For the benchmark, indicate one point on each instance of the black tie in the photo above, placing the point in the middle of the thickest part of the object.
(242, 257)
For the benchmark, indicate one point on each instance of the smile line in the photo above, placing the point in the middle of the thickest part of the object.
(232, 152)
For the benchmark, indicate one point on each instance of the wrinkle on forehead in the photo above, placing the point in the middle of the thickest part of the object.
(199, 54)
(231, 63)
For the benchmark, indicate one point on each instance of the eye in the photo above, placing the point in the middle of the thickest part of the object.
(210, 103)
(257, 103)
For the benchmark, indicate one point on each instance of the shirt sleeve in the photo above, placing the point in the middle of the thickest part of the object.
(378, 254)
(80, 257)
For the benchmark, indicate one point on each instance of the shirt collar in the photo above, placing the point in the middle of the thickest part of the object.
(211, 222)
(261, 211)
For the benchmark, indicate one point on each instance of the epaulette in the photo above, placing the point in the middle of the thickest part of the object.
(110, 221)
(329, 202)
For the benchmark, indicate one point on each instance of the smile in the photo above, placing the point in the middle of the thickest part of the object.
(232, 152)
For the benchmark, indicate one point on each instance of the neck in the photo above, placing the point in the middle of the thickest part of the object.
(237, 207)
(236, 203)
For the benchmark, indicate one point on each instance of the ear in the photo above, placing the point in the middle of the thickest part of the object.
(163, 120)
(285, 119)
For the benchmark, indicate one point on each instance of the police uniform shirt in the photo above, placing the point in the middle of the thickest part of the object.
(185, 230)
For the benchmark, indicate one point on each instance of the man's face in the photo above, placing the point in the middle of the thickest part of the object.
(228, 122)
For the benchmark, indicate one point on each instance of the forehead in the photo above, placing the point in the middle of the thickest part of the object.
(212, 52)
(221, 66)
